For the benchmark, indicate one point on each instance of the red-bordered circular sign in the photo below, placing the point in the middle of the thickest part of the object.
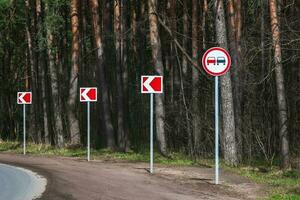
(216, 61)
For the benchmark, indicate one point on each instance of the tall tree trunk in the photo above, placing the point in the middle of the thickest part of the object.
(124, 59)
(175, 64)
(134, 40)
(83, 37)
(184, 77)
(120, 70)
(46, 93)
(43, 77)
(159, 69)
(134, 27)
(37, 70)
(239, 77)
(233, 22)
(185, 23)
(262, 36)
(55, 99)
(230, 146)
(171, 7)
(37, 73)
(32, 58)
(204, 24)
(73, 87)
(281, 99)
(101, 70)
(195, 77)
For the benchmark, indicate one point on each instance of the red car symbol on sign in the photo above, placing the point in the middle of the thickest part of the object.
(211, 60)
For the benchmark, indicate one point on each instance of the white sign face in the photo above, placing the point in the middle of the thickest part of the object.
(216, 61)
(24, 98)
(88, 94)
(151, 84)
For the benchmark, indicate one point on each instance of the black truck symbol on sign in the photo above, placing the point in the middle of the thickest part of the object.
(214, 61)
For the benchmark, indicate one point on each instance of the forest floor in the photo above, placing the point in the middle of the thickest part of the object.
(174, 178)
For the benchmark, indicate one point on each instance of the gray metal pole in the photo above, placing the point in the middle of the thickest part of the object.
(217, 129)
(151, 133)
(24, 129)
(88, 131)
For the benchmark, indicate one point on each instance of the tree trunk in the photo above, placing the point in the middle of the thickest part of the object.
(124, 59)
(262, 37)
(184, 77)
(73, 88)
(102, 77)
(45, 100)
(239, 77)
(230, 148)
(173, 76)
(195, 78)
(55, 102)
(38, 73)
(281, 99)
(44, 121)
(185, 23)
(204, 24)
(159, 69)
(30, 44)
(233, 22)
(134, 28)
(118, 20)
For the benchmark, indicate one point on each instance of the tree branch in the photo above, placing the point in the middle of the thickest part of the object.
(178, 44)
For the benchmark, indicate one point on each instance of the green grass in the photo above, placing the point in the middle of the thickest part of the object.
(284, 185)
(105, 154)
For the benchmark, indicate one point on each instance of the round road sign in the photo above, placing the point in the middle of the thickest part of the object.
(216, 61)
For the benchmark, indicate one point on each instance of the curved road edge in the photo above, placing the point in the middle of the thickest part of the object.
(20, 184)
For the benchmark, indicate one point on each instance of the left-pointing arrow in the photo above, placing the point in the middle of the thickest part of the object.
(24, 97)
(84, 94)
(147, 84)
(88, 94)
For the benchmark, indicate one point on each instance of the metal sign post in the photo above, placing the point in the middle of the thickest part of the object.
(216, 62)
(88, 131)
(24, 129)
(151, 85)
(88, 94)
(217, 129)
(24, 98)
(151, 133)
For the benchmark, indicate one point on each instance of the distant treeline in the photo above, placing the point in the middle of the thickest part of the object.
(53, 47)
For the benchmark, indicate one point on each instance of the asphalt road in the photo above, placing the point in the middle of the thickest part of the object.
(20, 184)
(70, 179)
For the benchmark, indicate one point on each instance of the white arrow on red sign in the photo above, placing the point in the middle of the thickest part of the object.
(88, 94)
(24, 98)
(151, 84)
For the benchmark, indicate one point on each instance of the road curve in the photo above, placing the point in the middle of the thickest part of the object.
(70, 179)
(20, 184)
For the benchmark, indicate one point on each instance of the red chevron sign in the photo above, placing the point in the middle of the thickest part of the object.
(152, 84)
(88, 94)
(24, 98)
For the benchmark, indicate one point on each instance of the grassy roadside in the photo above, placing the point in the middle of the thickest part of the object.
(283, 185)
